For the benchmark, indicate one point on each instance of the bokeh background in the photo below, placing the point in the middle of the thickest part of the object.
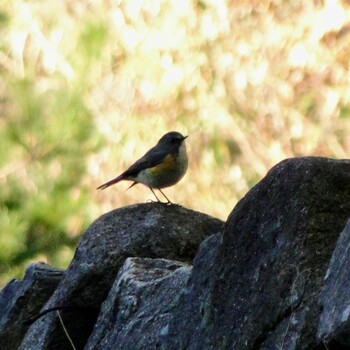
(86, 87)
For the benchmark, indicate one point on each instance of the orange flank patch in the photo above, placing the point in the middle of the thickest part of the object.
(168, 163)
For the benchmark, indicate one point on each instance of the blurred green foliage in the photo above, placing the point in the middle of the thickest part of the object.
(47, 133)
(87, 87)
(45, 138)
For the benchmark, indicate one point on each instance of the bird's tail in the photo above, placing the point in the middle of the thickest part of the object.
(111, 182)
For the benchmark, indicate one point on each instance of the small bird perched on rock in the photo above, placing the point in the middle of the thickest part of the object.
(162, 166)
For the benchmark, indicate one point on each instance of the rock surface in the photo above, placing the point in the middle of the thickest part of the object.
(335, 296)
(19, 300)
(260, 289)
(139, 305)
(191, 311)
(150, 230)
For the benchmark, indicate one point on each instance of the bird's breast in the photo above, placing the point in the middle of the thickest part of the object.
(168, 172)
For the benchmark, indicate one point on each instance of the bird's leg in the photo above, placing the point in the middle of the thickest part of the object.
(159, 201)
(169, 201)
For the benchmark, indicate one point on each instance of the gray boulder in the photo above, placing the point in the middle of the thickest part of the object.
(259, 287)
(335, 296)
(139, 305)
(150, 230)
(20, 300)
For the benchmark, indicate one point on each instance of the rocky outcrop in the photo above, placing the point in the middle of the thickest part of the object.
(274, 277)
(150, 230)
(261, 289)
(21, 299)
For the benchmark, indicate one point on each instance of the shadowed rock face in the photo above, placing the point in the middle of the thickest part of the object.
(335, 296)
(19, 300)
(260, 288)
(255, 283)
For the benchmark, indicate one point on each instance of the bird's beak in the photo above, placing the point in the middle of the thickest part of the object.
(185, 137)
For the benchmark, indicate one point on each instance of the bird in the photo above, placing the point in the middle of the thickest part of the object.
(162, 166)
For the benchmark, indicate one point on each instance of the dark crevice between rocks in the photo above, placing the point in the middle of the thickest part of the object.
(259, 341)
(79, 323)
(331, 345)
(34, 318)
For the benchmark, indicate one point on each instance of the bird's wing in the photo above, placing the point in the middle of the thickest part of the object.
(152, 158)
